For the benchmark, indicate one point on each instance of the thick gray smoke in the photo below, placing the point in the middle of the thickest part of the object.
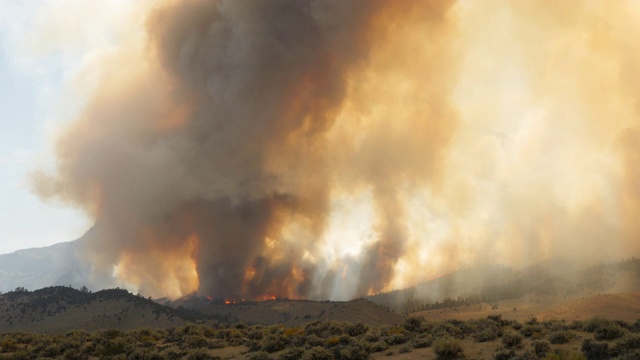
(208, 166)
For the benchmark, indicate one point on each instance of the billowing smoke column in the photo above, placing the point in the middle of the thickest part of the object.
(331, 149)
(198, 161)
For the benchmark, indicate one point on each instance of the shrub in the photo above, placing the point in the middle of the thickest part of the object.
(354, 352)
(448, 329)
(592, 324)
(609, 331)
(201, 355)
(532, 331)
(499, 320)
(356, 329)
(595, 350)
(422, 342)
(559, 337)
(559, 354)
(260, 355)
(317, 353)
(541, 348)
(378, 346)
(447, 348)
(504, 354)
(51, 351)
(255, 335)
(512, 340)
(486, 329)
(292, 354)
(312, 341)
(527, 355)
(628, 343)
(8, 345)
(172, 353)
(73, 354)
(272, 343)
(413, 324)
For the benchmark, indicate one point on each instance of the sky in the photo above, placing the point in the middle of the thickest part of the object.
(41, 60)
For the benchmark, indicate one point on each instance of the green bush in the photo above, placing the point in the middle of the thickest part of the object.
(447, 348)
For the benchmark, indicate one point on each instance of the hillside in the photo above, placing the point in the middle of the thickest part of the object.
(624, 307)
(61, 309)
(292, 312)
(40, 267)
(551, 279)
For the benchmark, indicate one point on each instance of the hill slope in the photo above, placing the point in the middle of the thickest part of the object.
(41, 267)
(60, 309)
(292, 312)
(558, 277)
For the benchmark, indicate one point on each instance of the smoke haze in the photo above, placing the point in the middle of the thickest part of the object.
(333, 149)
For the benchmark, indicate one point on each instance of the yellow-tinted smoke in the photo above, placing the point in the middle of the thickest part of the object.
(331, 149)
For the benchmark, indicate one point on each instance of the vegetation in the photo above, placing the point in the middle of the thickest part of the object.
(594, 339)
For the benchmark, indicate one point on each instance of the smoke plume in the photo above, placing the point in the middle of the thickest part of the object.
(332, 149)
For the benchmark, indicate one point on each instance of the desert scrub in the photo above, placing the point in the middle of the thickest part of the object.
(448, 348)
(485, 329)
(504, 354)
(559, 337)
(448, 329)
(354, 352)
(292, 354)
(593, 350)
(378, 346)
(317, 353)
(422, 341)
(260, 355)
(559, 354)
(272, 343)
(413, 324)
(628, 343)
(356, 329)
(512, 340)
(541, 348)
(201, 355)
(609, 331)
(395, 335)
(533, 331)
